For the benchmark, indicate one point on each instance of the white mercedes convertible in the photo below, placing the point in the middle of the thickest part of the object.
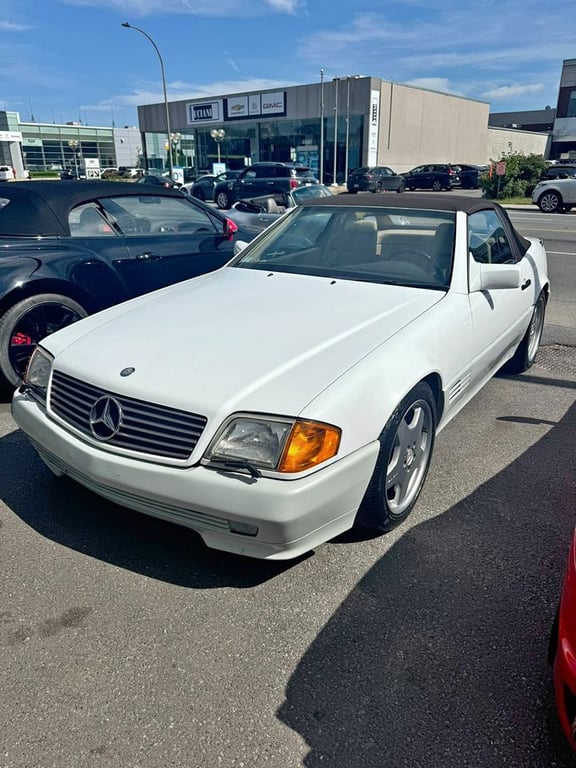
(296, 391)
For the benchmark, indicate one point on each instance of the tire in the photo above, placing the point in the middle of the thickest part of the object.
(527, 350)
(550, 202)
(406, 445)
(436, 186)
(223, 200)
(24, 324)
(378, 187)
(412, 189)
(401, 188)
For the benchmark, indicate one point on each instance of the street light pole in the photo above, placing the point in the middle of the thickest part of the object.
(168, 132)
(336, 81)
(218, 136)
(321, 126)
(73, 144)
(346, 169)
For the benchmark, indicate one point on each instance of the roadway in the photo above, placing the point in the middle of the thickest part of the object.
(125, 642)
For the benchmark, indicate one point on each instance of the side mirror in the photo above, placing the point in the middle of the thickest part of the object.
(239, 246)
(493, 277)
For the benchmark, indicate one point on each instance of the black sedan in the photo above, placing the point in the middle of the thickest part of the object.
(376, 179)
(158, 181)
(68, 250)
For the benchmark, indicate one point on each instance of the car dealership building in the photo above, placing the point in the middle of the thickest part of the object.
(344, 123)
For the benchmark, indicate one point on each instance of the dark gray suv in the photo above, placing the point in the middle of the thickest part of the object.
(262, 179)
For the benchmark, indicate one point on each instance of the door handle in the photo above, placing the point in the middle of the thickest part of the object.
(526, 284)
(148, 257)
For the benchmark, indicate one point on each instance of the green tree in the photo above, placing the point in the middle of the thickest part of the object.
(522, 174)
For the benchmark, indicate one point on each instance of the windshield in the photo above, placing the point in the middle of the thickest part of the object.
(305, 193)
(396, 246)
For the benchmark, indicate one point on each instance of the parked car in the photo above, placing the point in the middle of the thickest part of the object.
(68, 250)
(562, 650)
(72, 174)
(126, 172)
(242, 405)
(203, 187)
(434, 176)
(559, 171)
(377, 179)
(555, 196)
(158, 180)
(7, 173)
(257, 213)
(109, 173)
(262, 179)
(469, 175)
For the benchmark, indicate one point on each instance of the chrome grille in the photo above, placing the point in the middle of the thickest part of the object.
(146, 428)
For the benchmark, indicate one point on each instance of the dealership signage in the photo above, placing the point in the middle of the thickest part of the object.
(237, 108)
(256, 105)
(10, 136)
(205, 112)
(373, 128)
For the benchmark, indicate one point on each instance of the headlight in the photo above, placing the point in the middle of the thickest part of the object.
(283, 445)
(38, 373)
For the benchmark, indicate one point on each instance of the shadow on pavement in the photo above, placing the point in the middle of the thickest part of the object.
(433, 660)
(65, 512)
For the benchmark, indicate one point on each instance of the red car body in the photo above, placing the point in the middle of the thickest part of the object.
(563, 650)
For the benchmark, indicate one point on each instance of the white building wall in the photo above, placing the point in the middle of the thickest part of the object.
(419, 126)
(501, 141)
(128, 146)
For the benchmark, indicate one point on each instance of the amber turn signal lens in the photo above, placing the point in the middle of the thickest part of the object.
(308, 445)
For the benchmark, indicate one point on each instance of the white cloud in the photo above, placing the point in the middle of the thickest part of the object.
(285, 6)
(10, 26)
(231, 61)
(178, 90)
(208, 8)
(507, 91)
(441, 84)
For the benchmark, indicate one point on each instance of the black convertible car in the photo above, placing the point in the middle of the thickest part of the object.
(68, 250)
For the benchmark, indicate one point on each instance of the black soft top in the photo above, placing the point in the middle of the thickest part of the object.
(408, 201)
(40, 208)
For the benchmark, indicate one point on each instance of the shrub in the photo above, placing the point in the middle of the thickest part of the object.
(523, 172)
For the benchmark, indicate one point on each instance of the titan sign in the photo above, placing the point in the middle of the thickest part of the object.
(206, 112)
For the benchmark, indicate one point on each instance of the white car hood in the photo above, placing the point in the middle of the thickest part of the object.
(237, 339)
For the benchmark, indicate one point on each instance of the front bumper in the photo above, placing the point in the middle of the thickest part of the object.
(292, 516)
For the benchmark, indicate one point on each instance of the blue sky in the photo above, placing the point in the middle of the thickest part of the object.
(71, 59)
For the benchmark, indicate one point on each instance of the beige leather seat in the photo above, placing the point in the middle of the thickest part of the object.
(91, 223)
(354, 244)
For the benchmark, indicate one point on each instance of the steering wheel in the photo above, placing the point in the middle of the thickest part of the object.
(420, 259)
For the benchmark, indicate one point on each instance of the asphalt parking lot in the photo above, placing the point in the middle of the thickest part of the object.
(126, 642)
